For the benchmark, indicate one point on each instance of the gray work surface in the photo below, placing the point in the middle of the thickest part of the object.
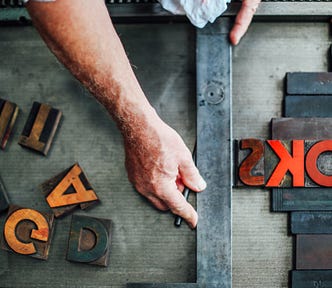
(146, 247)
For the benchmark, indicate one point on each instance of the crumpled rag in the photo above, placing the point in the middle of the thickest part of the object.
(199, 12)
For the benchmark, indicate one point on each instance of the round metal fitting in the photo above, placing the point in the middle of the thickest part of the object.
(214, 94)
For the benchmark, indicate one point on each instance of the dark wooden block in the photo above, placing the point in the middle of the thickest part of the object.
(4, 201)
(312, 222)
(8, 115)
(318, 163)
(301, 128)
(313, 251)
(250, 162)
(308, 106)
(309, 83)
(28, 232)
(284, 163)
(68, 190)
(89, 240)
(301, 199)
(40, 128)
(311, 279)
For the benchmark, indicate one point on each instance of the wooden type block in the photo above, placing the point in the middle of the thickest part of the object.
(308, 106)
(28, 232)
(40, 128)
(68, 190)
(309, 83)
(8, 115)
(301, 128)
(4, 201)
(318, 163)
(284, 163)
(89, 240)
(312, 222)
(250, 162)
(301, 199)
(313, 251)
(311, 279)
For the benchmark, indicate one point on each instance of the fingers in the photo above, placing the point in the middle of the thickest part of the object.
(190, 176)
(174, 199)
(157, 203)
(243, 20)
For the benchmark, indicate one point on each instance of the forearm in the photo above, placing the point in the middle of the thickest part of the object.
(82, 36)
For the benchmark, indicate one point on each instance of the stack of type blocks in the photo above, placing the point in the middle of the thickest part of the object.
(28, 231)
(308, 101)
(297, 164)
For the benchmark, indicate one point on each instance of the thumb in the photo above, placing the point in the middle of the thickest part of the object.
(190, 176)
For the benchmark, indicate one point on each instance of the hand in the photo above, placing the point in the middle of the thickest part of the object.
(159, 165)
(243, 20)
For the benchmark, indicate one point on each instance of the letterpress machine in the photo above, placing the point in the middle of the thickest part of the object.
(203, 88)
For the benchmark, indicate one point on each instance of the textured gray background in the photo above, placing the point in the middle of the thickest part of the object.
(146, 247)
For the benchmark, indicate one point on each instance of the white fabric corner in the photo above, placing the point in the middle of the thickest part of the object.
(199, 12)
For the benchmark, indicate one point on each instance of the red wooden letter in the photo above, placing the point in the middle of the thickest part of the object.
(292, 163)
(245, 169)
(311, 163)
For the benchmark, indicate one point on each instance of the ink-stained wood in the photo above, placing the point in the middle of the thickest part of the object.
(301, 128)
(301, 199)
(4, 201)
(309, 83)
(40, 128)
(284, 163)
(298, 106)
(68, 190)
(311, 222)
(89, 240)
(313, 251)
(8, 115)
(28, 232)
(318, 163)
(249, 162)
(311, 279)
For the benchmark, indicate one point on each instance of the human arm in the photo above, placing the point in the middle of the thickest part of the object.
(243, 20)
(82, 36)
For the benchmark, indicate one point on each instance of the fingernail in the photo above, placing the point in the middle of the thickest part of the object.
(202, 184)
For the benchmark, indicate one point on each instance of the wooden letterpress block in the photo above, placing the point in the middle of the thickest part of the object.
(68, 190)
(311, 279)
(250, 162)
(40, 128)
(89, 240)
(284, 163)
(4, 202)
(301, 199)
(312, 222)
(308, 106)
(313, 251)
(28, 232)
(319, 163)
(309, 83)
(8, 115)
(301, 128)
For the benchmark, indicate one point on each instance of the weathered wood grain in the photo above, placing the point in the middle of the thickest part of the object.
(40, 128)
(28, 232)
(89, 240)
(8, 115)
(68, 190)
(311, 222)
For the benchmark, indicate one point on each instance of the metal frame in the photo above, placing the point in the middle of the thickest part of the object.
(214, 262)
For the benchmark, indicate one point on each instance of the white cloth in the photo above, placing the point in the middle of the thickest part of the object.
(199, 12)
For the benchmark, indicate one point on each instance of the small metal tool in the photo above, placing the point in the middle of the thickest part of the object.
(186, 192)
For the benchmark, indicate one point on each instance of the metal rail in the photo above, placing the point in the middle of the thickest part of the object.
(151, 10)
